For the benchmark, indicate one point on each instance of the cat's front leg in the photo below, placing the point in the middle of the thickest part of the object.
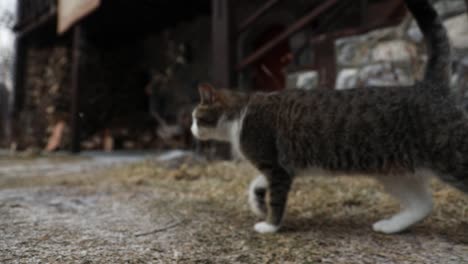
(278, 185)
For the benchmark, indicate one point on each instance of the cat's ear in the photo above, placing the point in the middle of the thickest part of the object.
(208, 94)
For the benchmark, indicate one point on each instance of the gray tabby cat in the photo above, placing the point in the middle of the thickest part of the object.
(399, 135)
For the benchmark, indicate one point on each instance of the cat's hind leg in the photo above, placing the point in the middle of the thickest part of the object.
(413, 192)
(459, 180)
(257, 195)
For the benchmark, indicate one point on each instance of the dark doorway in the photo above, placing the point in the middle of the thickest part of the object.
(269, 72)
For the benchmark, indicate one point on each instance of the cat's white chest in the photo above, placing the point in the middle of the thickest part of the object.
(235, 134)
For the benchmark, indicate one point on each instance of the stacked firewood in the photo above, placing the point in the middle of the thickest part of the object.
(138, 131)
(110, 117)
(46, 98)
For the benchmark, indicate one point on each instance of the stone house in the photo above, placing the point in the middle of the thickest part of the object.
(123, 74)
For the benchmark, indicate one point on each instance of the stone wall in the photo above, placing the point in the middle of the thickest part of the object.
(381, 57)
(395, 55)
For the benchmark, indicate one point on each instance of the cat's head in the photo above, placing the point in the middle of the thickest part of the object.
(216, 113)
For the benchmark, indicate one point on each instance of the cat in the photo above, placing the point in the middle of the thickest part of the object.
(399, 135)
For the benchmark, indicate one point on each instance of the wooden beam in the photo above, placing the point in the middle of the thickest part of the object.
(33, 25)
(256, 15)
(224, 45)
(259, 53)
(75, 91)
(364, 11)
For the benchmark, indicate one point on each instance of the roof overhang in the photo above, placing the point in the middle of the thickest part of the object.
(70, 12)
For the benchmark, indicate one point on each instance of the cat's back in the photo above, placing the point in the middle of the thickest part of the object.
(367, 122)
(359, 104)
(300, 105)
(348, 112)
(377, 111)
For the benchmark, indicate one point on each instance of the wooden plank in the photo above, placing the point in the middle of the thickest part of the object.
(260, 52)
(75, 93)
(256, 15)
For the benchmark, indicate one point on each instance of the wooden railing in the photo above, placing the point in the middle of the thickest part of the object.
(295, 27)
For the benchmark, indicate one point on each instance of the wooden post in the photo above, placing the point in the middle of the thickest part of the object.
(19, 75)
(224, 47)
(224, 44)
(364, 12)
(19, 79)
(75, 93)
(326, 61)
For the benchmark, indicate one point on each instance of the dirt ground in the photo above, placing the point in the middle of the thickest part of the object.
(193, 212)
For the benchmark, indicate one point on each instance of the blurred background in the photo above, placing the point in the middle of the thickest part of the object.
(97, 162)
(122, 75)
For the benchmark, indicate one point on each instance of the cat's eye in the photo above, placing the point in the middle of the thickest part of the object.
(206, 120)
(203, 120)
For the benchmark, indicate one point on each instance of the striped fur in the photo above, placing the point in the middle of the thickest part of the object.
(399, 135)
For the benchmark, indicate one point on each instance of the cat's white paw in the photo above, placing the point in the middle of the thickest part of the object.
(388, 226)
(264, 227)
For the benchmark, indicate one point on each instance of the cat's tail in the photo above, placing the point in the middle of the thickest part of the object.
(438, 67)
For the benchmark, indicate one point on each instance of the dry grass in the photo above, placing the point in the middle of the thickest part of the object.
(328, 219)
